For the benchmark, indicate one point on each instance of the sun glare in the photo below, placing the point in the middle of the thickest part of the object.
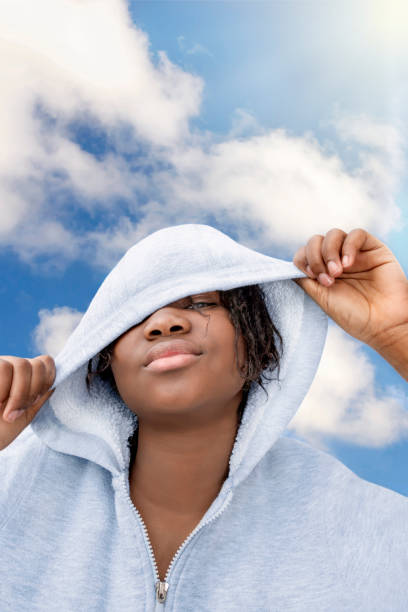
(391, 21)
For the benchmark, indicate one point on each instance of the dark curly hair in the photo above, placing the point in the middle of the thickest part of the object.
(249, 315)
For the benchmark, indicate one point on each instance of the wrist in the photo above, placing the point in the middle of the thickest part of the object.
(393, 347)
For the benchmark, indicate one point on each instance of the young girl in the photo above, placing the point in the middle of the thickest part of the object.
(158, 476)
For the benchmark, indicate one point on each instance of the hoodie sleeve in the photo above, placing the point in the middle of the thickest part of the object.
(19, 464)
(367, 529)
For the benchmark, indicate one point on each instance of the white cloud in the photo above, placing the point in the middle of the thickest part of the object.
(273, 178)
(261, 184)
(85, 61)
(381, 150)
(244, 123)
(68, 60)
(345, 404)
(198, 48)
(88, 55)
(109, 245)
(54, 328)
(51, 237)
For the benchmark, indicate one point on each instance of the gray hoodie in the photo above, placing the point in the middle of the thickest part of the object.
(292, 528)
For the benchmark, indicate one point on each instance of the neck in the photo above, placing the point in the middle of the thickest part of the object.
(180, 472)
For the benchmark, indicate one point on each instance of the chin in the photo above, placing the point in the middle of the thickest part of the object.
(170, 404)
(174, 406)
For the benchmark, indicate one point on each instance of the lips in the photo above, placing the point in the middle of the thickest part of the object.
(171, 347)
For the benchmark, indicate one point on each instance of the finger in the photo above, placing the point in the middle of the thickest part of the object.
(50, 372)
(42, 377)
(315, 260)
(331, 249)
(18, 421)
(6, 378)
(39, 377)
(19, 396)
(357, 240)
(300, 261)
(34, 408)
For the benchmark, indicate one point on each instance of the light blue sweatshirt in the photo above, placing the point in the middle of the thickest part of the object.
(292, 528)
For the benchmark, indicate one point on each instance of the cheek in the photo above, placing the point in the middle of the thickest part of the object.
(224, 347)
(124, 355)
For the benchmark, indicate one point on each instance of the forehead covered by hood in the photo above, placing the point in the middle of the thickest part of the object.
(169, 264)
(163, 267)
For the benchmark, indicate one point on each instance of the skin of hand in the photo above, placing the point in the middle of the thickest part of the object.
(24, 385)
(367, 295)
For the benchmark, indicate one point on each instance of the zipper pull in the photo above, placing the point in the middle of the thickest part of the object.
(161, 591)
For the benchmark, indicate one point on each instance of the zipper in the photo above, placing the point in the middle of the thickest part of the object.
(162, 586)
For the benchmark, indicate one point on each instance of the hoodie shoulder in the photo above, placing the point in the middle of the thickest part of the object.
(366, 524)
(19, 463)
(318, 470)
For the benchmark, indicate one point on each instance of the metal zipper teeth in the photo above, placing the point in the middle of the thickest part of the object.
(150, 547)
(146, 533)
(123, 480)
(178, 552)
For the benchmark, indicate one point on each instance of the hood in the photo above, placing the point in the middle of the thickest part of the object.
(163, 267)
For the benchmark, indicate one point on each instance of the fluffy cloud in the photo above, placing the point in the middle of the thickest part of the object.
(74, 61)
(70, 63)
(274, 178)
(87, 56)
(344, 402)
(260, 183)
(54, 328)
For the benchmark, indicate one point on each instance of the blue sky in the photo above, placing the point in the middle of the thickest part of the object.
(271, 120)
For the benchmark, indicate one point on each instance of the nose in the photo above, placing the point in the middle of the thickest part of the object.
(166, 322)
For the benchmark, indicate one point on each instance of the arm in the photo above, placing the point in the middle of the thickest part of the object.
(394, 349)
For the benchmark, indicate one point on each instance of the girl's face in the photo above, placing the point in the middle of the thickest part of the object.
(198, 384)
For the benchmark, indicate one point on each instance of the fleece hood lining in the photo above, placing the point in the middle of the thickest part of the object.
(188, 259)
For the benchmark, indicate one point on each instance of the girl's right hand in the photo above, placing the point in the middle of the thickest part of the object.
(24, 388)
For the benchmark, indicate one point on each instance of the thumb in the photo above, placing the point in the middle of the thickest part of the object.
(314, 289)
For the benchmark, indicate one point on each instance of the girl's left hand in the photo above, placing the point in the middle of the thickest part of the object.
(367, 296)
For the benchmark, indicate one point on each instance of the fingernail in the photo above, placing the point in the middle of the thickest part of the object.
(325, 280)
(333, 267)
(345, 261)
(14, 415)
